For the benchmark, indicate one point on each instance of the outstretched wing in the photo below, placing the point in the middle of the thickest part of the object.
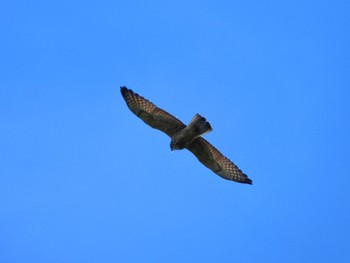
(150, 113)
(215, 161)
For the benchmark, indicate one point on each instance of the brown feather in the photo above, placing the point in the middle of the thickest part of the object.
(216, 161)
(151, 114)
(202, 149)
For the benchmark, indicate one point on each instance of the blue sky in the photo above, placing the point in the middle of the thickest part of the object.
(84, 180)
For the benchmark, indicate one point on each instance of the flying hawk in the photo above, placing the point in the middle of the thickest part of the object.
(183, 136)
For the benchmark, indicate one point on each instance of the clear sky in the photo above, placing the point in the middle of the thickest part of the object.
(82, 179)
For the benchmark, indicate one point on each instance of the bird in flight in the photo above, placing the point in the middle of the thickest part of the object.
(182, 136)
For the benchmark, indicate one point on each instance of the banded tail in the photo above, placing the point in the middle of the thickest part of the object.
(200, 125)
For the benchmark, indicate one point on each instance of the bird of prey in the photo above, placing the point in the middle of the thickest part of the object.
(183, 136)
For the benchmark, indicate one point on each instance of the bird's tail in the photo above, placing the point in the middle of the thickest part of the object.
(200, 125)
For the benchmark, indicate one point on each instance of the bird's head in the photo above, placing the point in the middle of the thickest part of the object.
(172, 145)
(176, 143)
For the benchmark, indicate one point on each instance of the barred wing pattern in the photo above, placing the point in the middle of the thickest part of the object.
(215, 161)
(202, 149)
(151, 114)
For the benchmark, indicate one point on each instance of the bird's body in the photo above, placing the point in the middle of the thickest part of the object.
(183, 136)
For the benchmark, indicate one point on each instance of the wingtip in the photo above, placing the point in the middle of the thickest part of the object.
(248, 181)
(124, 90)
